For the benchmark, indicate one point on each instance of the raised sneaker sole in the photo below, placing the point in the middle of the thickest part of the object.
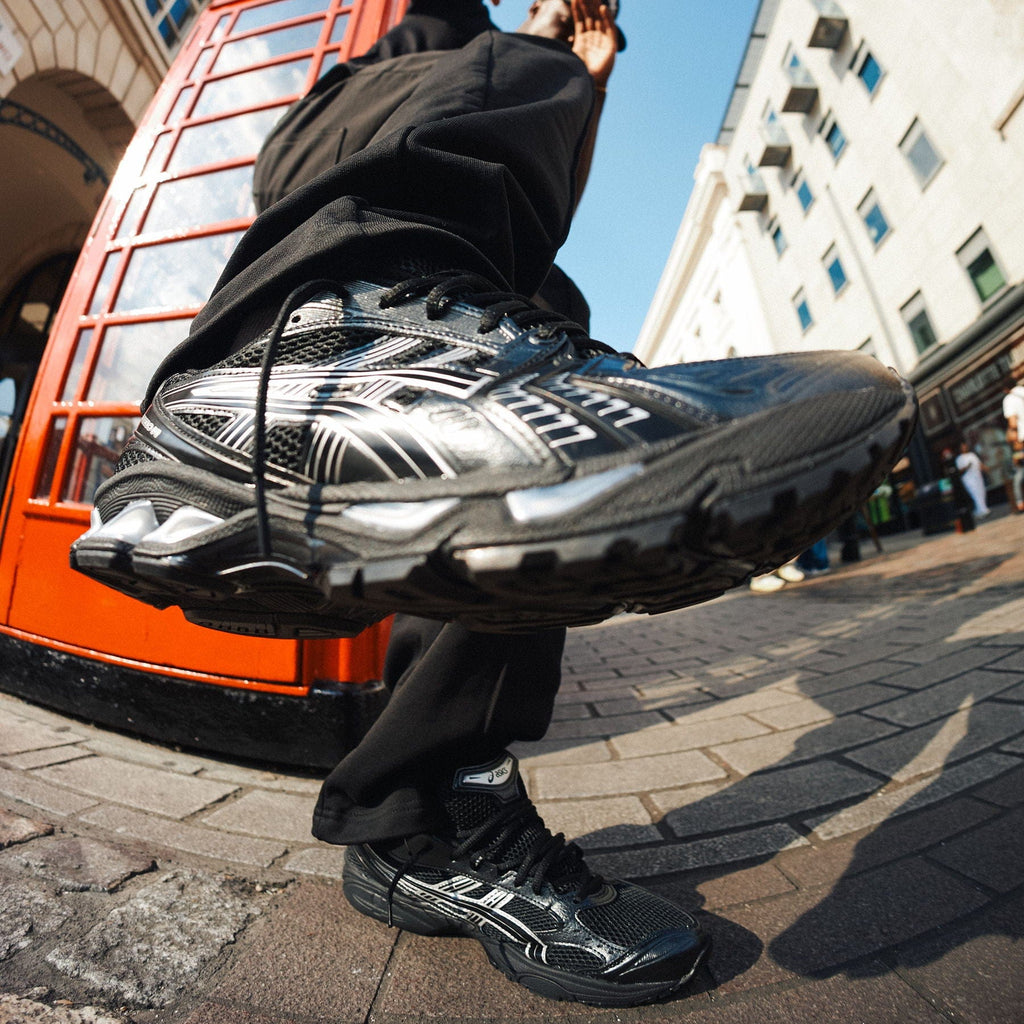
(368, 893)
(650, 536)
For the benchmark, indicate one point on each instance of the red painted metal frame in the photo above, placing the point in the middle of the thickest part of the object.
(41, 599)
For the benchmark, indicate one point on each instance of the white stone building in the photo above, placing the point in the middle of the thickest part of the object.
(866, 191)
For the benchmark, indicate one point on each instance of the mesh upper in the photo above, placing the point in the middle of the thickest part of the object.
(633, 916)
(316, 345)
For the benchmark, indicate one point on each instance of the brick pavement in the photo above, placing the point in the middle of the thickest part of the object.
(832, 776)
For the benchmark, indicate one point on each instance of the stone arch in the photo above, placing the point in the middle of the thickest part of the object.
(62, 136)
(101, 110)
(92, 42)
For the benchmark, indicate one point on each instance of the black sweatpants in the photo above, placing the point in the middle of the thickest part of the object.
(474, 169)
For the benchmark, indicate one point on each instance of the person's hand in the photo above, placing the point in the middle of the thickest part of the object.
(595, 41)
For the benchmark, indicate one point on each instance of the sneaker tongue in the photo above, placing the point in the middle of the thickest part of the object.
(498, 779)
(479, 791)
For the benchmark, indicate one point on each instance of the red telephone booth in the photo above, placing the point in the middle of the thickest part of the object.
(173, 213)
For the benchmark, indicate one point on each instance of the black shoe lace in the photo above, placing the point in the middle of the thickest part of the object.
(546, 858)
(259, 460)
(444, 289)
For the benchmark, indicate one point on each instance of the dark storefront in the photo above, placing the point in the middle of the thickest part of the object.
(961, 386)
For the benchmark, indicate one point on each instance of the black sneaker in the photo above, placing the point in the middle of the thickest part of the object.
(545, 920)
(443, 450)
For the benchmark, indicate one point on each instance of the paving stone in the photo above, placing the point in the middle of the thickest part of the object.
(18, 734)
(1016, 746)
(734, 687)
(1012, 662)
(608, 726)
(164, 792)
(792, 716)
(1015, 693)
(743, 886)
(942, 699)
(46, 756)
(592, 821)
(928, 748)
(16, 829)
(690, 736)
(839, 658)
(28, 912)
(761, 798)
(815, 685)
(743, 705)
(218, 1013)
(698, 853)
(15, 1010)
(31, 790)
(256, 779)
(943, 668)
(569, 711)
(803, 744)
(324, 861)
(187, 838)
(677, 692)
(153, 948)
(810, 932)
(545, 752)
(126, 748)
(886, 1000)
(894, 838)
(450, 980)
(992, 854)
(271, 815)
(327, 959)
(834, 704)
(892, 801)
(635, 775)
(77, 864)
(619, 706)
(972, 970)
(1007, 791)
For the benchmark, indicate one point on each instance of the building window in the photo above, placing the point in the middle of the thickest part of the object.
(867, 69)
(920, 153)
(169, 19)
(975, 256)
(833, 136)
(803, 311)
(915, 316)
(803, 191)
(874, 220)
(834, 267)
(777, 237)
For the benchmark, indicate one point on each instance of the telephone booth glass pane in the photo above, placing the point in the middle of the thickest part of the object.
(202, 199)
(129, 356)
(251, 88)
(269, 14)
(97, 447)
(257, 49)
(175, 275)
(228, 139)
(77, 362)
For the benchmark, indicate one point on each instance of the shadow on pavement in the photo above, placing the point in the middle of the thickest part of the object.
(906, 818)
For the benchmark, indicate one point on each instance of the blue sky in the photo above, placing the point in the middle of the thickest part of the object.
(666, 98)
